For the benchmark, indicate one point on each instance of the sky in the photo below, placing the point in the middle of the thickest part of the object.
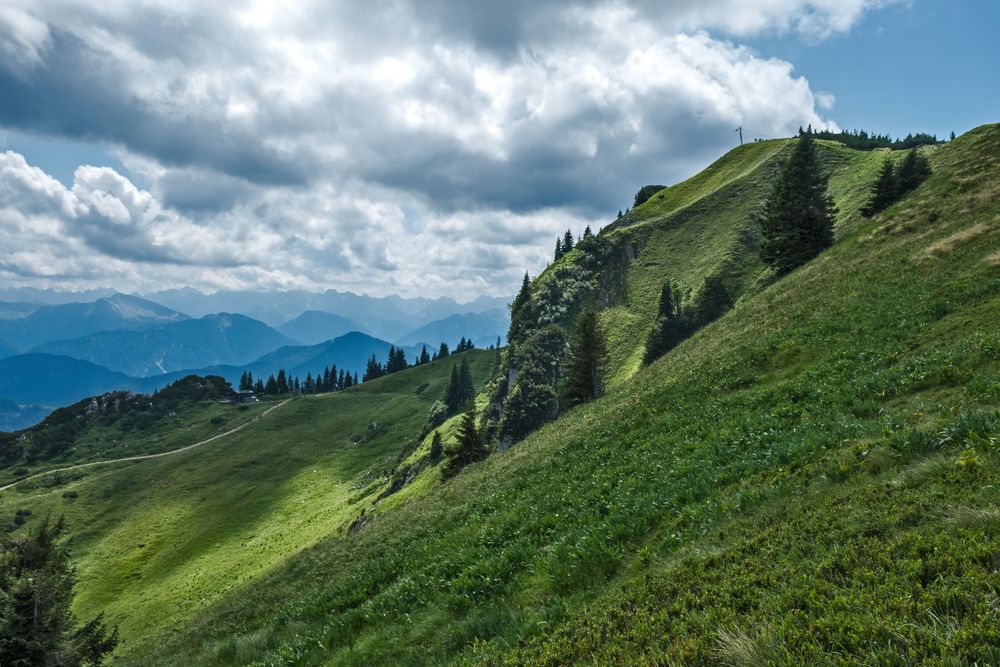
(420, 148)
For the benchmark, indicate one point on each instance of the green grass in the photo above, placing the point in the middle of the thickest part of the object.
(809, 480)
(157, 541)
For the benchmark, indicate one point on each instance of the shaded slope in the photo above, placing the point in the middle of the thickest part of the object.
(807, 479)
(218, 339)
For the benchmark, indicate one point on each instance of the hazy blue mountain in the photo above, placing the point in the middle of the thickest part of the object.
(385, 317)
(14, 417)
(16, 310)
(315, 326)
(51, 297)
(6, 349)
(482, 328)
(349, 352)
(55, 380)
(73, 320)
(222, 338)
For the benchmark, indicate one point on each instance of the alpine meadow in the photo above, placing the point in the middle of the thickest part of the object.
(291, 374)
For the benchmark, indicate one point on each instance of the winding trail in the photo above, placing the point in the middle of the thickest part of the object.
(143, 457)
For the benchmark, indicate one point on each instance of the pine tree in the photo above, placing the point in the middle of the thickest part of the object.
(424, 357)
(258, 387)
(243, 381)
(519, 316)
(470, 443)
(340, 380)
(885, 190)
(798, 217)
(559, 250)
(309, 388)
(671, 325)
(568, 243)
(466, 385)
(282, 382)
(451, 392)
(711, 302)
(587, 233)
(36, 592)
(373, 370)
(913, 171)
(355, 380)
(586, 359)
(437, 448)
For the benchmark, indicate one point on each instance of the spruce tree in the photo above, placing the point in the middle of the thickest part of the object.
(443, 351)
(798, 216)
(519, 316)
(424, 358)
(567, 243)
(437, 448)
(282, 382)
(671, 325)
(586, 359)
(711, 302)
(587, 233)
(559, 249)
(258, 387)
(36, 592)
(470, 443)
(913, 171)
(885, 190)
(452, 392)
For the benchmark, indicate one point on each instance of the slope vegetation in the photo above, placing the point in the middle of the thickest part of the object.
(158, 540)
(808, 480)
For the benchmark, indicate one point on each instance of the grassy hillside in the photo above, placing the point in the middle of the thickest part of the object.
(703, 227)
(809, 480)
(157, 541)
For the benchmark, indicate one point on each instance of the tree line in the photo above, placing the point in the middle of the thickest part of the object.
(863, 141)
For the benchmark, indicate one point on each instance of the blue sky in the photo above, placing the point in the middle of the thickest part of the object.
(926, 66)
(435, 148)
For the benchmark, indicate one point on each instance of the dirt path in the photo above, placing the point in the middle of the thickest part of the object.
(143, 457)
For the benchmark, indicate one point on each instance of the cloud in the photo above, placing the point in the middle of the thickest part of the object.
(338, 144)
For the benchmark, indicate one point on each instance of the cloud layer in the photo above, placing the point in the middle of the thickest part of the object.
(432, 147)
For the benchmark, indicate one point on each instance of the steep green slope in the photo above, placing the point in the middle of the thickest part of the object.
(156, 541)
(810, 479)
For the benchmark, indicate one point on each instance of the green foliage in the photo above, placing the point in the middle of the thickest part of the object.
(672, 324)
(914, 170)
(584, 366)
(644, 193)
(36, 590)
(885, 191)
(470, 447)
(863, 141)
(461, 387)
(798, 216)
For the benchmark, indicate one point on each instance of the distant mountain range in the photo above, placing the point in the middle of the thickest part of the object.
(387, 317)
(314, 326)
(39, 382)
(482, 328)
(73, 320)
(214, 339)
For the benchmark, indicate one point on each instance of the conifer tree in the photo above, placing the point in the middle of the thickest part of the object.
(258, 387)
(373, 370)
(559, 249)
(885, 190)
(798, 216)
(355, 380)
(568, 243)
(424, 357)
(711, 301)
(587, 233)
(341, 380)
(671, 325)
(913, 171)
(519, 317)
(243, 381)
(451, 391)
(309, 388)
(470, 443)
(36, 592)
(443, 351)
(586, 359)
(282, 382)
(437, 448)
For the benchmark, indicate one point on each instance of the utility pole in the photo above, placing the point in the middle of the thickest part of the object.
(740, 130)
